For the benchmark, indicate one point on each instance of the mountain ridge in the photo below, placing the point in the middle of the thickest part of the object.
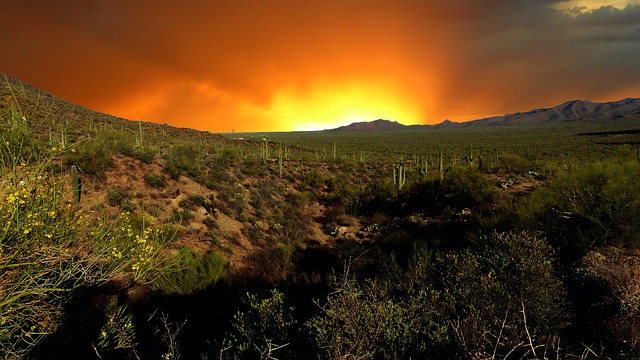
(569, 111)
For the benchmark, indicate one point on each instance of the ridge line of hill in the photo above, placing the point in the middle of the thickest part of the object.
(570, 111)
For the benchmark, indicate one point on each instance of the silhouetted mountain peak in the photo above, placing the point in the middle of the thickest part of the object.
(376, 125)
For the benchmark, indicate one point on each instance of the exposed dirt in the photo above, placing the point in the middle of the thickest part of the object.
(223, 234)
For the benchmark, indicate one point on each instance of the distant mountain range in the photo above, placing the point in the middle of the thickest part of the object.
(570, 111)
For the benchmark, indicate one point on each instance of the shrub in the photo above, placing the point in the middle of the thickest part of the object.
(155, 180)
(117, 196)
(192, 202)
(183, 216)
(209, 221)
(50, 257)
(253, 168)
(588, 206)
(515, 164)
(621, 272)
(463, 187)
(263, 329)
(187, 272)
(185, 158)
(91, 157)
(227, 157)
(17, 144)
(359, 322)
(505, 286)
(145, 154)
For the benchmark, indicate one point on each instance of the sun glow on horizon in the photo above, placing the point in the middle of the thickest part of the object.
(593, 4)
(327, 107)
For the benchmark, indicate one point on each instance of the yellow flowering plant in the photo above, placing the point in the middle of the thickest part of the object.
(134, 242)
(51, 249)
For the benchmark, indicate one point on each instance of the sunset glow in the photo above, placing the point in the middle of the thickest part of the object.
(292, 65)
(330, 107)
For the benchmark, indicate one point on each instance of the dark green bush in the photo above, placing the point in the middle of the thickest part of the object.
(227, 157)
(188, 272)
(588, 206)
(91, 157)
(463, 187)
(265, 327)
(116, 196)
(209, 221)
(313, 179)
(182, 216)
(197, 200)
(145, 154)
(155, 180)
(254, 168)
(185, 159)
(514, 164)
(18, 146)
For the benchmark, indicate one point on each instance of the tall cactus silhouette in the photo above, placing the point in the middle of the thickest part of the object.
(399, 176)
(76, 184)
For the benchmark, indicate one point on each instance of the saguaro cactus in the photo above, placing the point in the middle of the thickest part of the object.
(280, 161)
(63, 138)
(470, 159)
(266, 148)
(399, 176)
(76, 184)
(139, 140)
(422, 168)
(440, 165)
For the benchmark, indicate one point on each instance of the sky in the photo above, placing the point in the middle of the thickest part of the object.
(290, 65)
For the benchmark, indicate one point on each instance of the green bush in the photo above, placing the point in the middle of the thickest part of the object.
(192, 202)
(254, 168)
(117, 196)
(49, 257)
(463, 187)
(183, 216)
(187, 272)
(588, 206)
(91, 157)
(209, 221)
(155, 180)
(145, 154)
(227, 157)
(361, 322)
(263, 330)
(185, 159)
(503, 286)
(515, 164)
(17, 145)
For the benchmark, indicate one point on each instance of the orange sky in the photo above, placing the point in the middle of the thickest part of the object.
(301, 65)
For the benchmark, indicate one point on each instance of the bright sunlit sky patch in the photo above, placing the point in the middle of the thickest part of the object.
(299, 65)
(595, 4)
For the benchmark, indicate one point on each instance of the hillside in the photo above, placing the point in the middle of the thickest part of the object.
(116, 157)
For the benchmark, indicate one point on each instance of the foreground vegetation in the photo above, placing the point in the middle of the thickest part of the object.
(132, 240)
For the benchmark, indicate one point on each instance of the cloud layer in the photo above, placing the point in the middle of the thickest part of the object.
(284, 65)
